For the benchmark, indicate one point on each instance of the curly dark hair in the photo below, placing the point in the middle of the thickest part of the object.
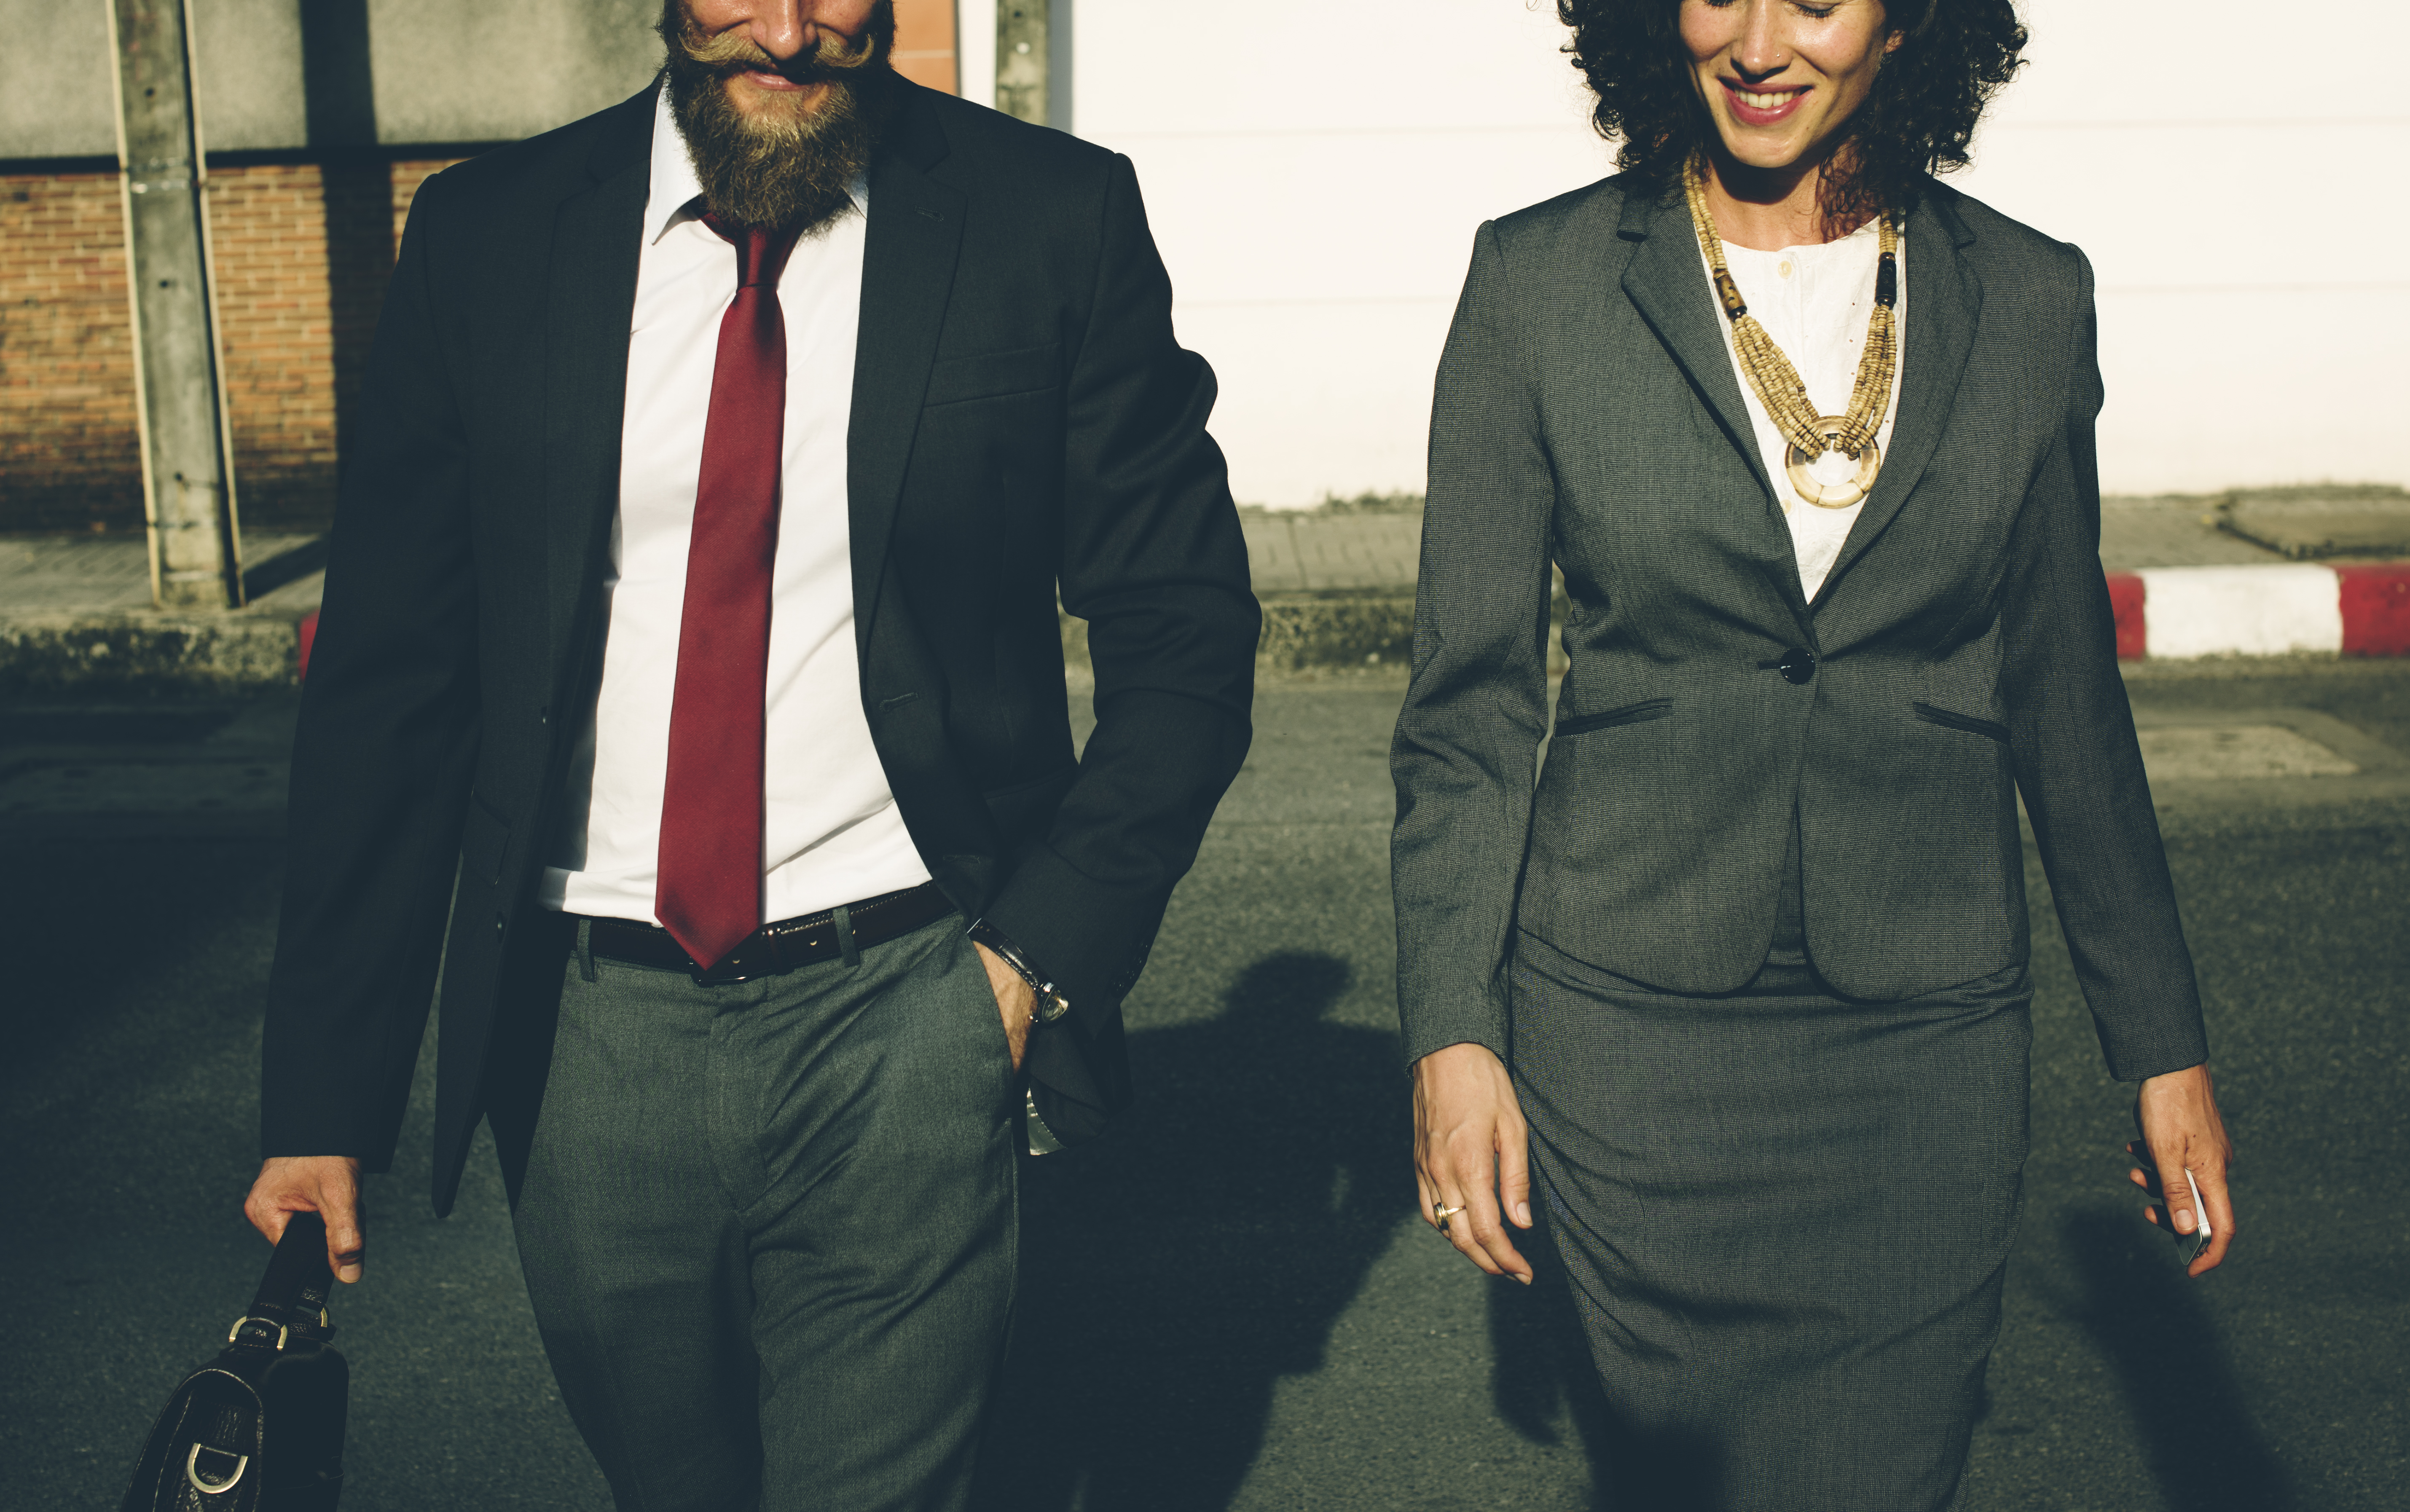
(1926, 99)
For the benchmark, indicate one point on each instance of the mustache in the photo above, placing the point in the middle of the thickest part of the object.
(733, 51)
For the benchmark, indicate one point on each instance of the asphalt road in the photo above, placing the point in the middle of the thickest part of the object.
(1228, 1303)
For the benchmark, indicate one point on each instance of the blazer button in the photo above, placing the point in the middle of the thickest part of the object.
(1797, 665)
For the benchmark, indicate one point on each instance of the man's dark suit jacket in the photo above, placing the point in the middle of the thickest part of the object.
(1021, 418)
(1963, 648)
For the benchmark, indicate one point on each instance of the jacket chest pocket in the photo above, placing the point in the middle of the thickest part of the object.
(1027, 369)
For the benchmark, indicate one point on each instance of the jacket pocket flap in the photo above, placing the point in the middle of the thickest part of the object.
(1026, 370)
(1973, 726)
(1655, 708)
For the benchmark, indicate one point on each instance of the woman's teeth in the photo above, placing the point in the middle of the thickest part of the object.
(1766, 102)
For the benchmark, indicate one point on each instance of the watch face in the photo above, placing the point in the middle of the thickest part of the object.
(1051, 1005)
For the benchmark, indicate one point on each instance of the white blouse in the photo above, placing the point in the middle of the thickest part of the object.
(1815, 302)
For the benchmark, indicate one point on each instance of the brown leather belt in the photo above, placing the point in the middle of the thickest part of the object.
(775, 947)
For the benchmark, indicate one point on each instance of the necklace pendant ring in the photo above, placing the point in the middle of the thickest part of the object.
(1832, 495)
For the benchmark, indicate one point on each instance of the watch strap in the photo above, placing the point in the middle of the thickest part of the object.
(1051, 1005)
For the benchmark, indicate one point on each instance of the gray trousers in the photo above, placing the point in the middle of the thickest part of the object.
(768, 1229)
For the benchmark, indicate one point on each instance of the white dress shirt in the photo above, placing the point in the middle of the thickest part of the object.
(831, 832)
(1815, 302)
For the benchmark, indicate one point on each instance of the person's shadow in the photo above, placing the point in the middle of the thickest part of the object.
(1172, 1272)
(2206, 1449)
(1545, 1387)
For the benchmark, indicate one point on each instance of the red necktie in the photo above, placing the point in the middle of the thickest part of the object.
(709, 895)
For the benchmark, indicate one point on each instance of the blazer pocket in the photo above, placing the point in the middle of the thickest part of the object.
(1655, 708)
(1968, 722)
(993, 374)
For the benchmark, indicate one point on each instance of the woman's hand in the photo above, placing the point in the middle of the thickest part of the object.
(1471, 1150)
(2181, 1132)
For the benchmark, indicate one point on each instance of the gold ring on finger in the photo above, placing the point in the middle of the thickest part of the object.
(1441, 1212)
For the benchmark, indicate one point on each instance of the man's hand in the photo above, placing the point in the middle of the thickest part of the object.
(327, 1185)
(2183, 1132)
(1472, 1148)
(1015, 999)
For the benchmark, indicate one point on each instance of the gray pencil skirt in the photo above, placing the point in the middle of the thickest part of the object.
(1783, 1217)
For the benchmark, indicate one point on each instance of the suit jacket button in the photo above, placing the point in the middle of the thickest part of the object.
(1797, 665)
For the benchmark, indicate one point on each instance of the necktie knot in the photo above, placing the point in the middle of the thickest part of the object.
(760, 250)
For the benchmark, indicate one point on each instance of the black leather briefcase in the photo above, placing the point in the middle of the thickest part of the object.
(260, 1428)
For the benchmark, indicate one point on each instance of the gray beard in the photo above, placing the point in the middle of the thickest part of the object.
(780, 173)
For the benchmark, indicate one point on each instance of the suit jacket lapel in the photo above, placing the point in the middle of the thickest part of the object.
(1668, 285)
(907, 273)
(589, 298)
(1944, 305)
(907, 277)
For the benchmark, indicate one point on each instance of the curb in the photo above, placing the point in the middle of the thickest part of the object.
(2163, 614)
(147, 654)
(2183, 612)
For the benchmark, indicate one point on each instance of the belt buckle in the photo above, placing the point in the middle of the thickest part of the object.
(758, 954)
(717, 977)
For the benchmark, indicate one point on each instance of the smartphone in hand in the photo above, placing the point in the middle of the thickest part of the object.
(2191, 1246)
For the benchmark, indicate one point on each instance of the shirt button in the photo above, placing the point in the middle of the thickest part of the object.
(1785, 266)
(1797, 665)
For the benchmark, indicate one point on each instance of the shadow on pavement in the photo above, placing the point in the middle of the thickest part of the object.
(1176, 1270)
(2205, 1448)
(1544, 1384)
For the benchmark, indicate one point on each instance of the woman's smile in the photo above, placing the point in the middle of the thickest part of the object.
(1763, 108)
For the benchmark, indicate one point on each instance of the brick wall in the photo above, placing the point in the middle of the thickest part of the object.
(67, 360)
(302, 253)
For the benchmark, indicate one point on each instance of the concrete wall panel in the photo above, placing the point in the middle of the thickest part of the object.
(444, 70)
(470, 70)
(54, 67)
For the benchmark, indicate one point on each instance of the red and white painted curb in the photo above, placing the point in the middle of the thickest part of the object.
(2282, 610)
(2167, 612)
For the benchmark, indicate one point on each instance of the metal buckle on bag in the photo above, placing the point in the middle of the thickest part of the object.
(193, 1468)
(283, 1333)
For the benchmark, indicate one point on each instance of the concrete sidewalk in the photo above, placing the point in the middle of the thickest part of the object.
(2287, 571)
(2193, 576)
(76, 613)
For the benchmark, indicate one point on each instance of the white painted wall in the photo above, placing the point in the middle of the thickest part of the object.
(1315, 185)
(2235, 178)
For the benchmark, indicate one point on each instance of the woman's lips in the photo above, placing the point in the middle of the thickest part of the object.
(1761, 108)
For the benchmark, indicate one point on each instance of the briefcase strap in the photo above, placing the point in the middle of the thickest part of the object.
(291, 1303)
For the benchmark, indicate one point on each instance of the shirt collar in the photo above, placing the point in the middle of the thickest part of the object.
(674, 195)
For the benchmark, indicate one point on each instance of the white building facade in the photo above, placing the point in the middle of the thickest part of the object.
(1315, 171)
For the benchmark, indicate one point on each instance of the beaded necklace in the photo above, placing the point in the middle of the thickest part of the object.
(1778, 382)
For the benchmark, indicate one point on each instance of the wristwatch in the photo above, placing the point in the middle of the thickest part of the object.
(1051, 1005)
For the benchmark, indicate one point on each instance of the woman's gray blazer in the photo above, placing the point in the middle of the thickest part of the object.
(1962, 651)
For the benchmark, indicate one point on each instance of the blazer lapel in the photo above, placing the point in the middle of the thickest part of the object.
(907, 274)
(589, 298)
(1667, 284)
(1944, 305)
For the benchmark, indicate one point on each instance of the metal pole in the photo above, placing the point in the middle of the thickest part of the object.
(187, 474)
(1021, 59)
